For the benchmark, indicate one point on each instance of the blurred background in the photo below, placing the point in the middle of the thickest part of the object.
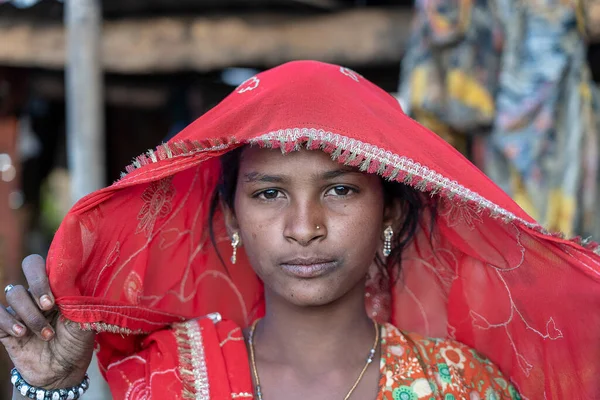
(86, 85)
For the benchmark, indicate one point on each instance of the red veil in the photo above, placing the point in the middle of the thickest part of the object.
(135, 258)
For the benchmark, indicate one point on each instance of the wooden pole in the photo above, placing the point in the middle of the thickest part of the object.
(85, 106)
(85, 117)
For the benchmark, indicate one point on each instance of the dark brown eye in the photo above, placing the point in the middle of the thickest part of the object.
(269, 194)
(339, 190)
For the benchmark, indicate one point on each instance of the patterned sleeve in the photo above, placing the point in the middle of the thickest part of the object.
(460, 372)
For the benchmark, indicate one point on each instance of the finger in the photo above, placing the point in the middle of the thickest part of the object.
(10, 325)
(13, 313)
(34, 268)
(25, 308)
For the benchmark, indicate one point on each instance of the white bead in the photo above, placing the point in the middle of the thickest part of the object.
(81, 392)
(24, 390)
(40, 394)
(55, 396)
(215, 317)
(14, 379)
(71, 395)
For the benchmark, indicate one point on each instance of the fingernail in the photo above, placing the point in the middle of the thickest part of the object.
(47, 333)
(18, 329)
(45, 301)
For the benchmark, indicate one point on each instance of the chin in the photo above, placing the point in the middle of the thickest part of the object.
(312, 294)
(310, 301)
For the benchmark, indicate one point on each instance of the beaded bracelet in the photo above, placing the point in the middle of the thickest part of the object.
(37, 393)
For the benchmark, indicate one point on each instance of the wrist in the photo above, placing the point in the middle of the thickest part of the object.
(26, 390)
(72, 380)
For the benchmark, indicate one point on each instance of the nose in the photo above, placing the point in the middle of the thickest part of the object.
(305, 222)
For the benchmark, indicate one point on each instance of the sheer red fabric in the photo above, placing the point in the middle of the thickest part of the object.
(135, 258)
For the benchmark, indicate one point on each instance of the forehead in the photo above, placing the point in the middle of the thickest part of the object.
(296, 162)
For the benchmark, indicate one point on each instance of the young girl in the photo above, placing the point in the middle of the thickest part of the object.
(306, 240)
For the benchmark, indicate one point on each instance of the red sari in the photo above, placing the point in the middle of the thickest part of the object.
(134, 261)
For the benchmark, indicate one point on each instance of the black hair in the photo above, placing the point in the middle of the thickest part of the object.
(413, 206)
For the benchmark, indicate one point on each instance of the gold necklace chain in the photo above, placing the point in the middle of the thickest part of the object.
(362, 373)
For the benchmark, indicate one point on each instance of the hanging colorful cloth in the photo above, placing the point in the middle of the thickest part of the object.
(544, 146)
(525, 89)
(450, 69)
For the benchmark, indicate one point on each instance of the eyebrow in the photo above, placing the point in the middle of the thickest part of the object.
(337, 173)
(252, 177)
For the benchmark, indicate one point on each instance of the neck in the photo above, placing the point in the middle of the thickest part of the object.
(315, 338)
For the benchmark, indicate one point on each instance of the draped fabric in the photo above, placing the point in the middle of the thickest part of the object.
(134, 261)
(511, 79)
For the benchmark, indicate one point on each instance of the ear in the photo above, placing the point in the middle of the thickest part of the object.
(393, 214)
(231, 222)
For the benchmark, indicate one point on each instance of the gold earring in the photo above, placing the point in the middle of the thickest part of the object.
(388, 234)
(235, 242)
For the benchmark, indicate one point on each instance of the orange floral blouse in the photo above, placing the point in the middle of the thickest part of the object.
(417, 368)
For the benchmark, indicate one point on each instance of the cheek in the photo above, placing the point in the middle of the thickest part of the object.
(257, 246)
(359, 226)
(258, 230)
(361, 237)
(255, 232)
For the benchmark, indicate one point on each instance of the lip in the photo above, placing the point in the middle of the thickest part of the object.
(309, 267)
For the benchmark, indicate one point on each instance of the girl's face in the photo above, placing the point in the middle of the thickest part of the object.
(309, 226)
